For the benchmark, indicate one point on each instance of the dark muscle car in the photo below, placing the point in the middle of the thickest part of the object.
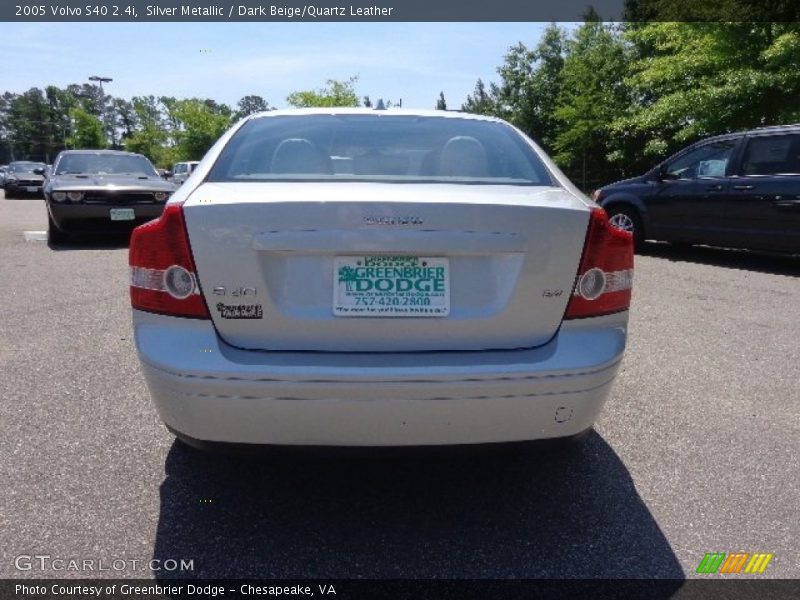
(102, 190)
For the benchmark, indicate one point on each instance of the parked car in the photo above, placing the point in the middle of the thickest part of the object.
(102, 190)
(3, 169)
(182, 170)
(379, 278)
(739, 190)
(24, 177)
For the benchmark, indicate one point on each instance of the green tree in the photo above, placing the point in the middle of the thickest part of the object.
(151, 134)
(30, 126)
(531, 84)
(593, 95)
(480, 102)
(441, 104)
(691, 80)
(336, 93)
(201, 124)
(87, 130)
(250, 105)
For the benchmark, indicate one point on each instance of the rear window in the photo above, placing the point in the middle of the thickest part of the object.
(379, 148)
(772, 155)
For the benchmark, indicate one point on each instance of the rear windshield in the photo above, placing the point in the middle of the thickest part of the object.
(104, 164)
(379, 148)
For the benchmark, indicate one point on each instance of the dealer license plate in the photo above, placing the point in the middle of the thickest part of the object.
(31, 188)
(391, 286)
(122, 214)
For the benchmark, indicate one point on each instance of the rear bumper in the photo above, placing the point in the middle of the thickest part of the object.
(208, 390)
(96, 217)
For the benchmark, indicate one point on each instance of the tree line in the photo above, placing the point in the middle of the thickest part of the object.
(606, 100)
(38, 124)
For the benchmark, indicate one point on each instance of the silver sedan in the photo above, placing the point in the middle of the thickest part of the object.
(379, 278)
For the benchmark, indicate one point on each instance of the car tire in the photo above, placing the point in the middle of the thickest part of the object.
(627, 218)
(54, 234)
(9, 193)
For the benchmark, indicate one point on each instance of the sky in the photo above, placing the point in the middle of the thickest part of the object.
(226, 61)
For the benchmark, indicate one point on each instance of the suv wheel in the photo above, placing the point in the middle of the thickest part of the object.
(627, 218)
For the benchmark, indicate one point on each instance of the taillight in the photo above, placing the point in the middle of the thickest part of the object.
(606, 271)
(163, 275)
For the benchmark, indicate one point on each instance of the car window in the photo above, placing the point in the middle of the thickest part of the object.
(23, 167)
(84, 163)
(770, 155)
(709, 160)
(383, 147)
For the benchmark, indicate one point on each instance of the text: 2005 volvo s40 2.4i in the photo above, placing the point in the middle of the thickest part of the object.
(378, 278)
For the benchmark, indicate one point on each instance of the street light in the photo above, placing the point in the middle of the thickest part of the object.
(101, 81)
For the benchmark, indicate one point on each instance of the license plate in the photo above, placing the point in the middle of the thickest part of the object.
(391, 286)
(31, 188)
(122, 214)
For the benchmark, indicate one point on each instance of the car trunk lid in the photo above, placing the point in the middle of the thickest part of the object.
(272, 262)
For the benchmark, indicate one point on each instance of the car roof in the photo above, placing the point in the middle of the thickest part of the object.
(112, 152)
(793, 128)
(406, 112)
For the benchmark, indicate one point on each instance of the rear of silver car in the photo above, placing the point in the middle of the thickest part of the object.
(286, 306)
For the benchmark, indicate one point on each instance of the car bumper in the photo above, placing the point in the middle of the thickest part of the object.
(86, 217)
(210, 391)
(24, 188)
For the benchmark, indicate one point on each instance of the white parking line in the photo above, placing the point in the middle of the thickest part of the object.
(35, 236)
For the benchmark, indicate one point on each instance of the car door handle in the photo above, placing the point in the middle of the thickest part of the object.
(743, 187)
(715, 188)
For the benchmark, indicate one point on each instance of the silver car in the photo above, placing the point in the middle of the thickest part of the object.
(369, 277)
(182, 170)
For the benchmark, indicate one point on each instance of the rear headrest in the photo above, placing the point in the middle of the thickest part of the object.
(298, 155)
(463, 156)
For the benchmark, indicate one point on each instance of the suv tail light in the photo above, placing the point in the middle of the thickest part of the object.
(605, 275)
(163, 275)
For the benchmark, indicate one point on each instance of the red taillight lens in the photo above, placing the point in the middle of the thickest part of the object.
(606, 272)
(163, 275)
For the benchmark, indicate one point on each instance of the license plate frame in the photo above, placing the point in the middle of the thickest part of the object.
(32, 189)
(122, 214)
(391, 286)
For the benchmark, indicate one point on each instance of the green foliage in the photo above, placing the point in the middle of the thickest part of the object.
(337, 93)
(202, 122)
(150, 135)
(250, 105)
(87, 130)
(592, 95)
(480, 102)
(441, 103)
(695, 79)
(608, 100)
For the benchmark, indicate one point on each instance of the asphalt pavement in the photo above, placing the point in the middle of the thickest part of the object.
(698, 449)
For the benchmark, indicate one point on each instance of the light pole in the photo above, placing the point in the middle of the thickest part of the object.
(101, 81)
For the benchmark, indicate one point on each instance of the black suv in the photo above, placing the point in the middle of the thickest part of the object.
(740, 190)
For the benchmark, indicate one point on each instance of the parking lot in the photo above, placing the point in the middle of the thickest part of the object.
(696, 451)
